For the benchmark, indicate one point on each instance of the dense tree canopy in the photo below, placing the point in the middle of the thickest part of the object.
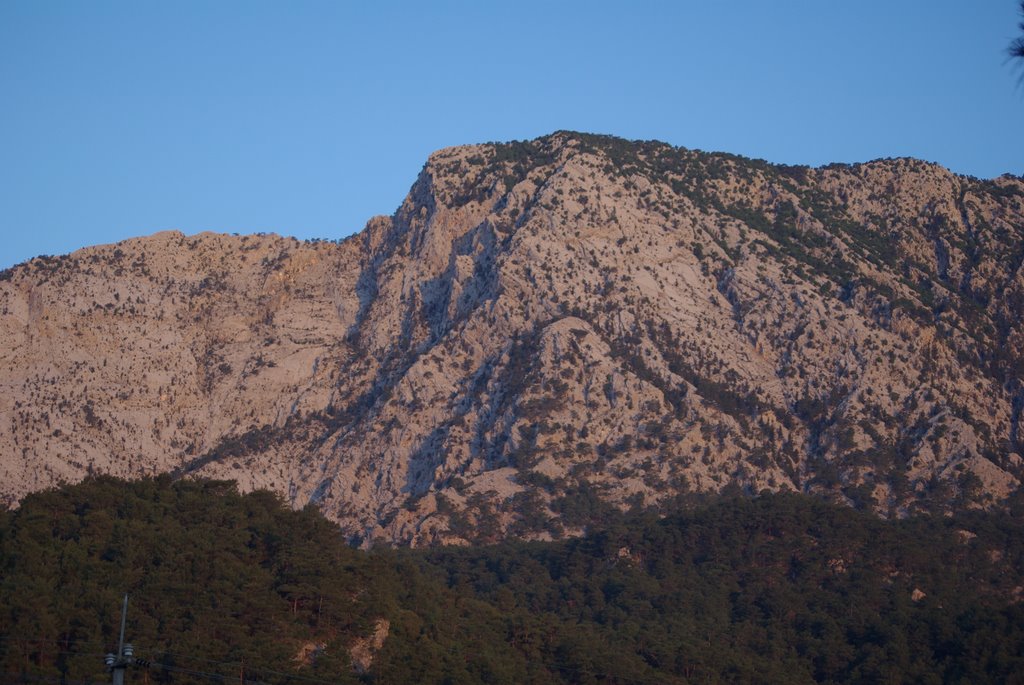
(778, 588)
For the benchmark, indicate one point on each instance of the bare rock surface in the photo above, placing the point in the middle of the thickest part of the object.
(543, 329)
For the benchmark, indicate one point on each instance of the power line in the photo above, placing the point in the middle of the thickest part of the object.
(266, 676)
(11, 638)
(256, 672)
(158, 653)
(142, 663)
(35, 678)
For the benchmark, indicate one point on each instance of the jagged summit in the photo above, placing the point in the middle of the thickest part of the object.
(544, 328)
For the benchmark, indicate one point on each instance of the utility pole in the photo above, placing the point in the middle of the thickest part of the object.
(117, 665)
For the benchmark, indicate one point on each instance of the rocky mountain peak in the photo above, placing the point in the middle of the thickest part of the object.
(542, 329)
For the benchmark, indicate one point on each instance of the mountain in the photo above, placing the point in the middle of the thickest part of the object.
(545, 331)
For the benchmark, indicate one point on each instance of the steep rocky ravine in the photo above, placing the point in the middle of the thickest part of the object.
(541, 329)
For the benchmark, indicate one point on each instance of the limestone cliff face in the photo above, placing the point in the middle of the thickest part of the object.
(541, 328)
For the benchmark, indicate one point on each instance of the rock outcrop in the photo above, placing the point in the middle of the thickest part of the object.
(543, 329)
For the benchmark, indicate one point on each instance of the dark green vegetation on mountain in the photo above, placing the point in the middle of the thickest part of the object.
(779, 588)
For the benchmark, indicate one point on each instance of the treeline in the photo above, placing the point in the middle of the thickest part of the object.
(227, 588)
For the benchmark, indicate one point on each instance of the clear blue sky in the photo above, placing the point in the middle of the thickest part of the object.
(306, 118)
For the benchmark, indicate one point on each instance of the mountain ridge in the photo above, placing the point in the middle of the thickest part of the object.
(543, 328)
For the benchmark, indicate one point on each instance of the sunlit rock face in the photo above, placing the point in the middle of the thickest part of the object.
(541, 330)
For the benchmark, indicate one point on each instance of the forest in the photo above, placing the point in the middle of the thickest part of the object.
(226, 587)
